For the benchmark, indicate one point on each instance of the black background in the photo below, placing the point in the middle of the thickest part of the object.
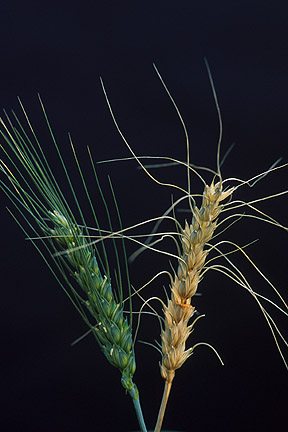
(60, 49)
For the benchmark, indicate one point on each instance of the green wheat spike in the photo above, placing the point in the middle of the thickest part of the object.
(33, 189)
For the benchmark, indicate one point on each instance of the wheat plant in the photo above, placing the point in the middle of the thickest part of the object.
(102, 293)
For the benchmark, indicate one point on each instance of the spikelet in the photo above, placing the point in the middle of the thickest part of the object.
(179, 309)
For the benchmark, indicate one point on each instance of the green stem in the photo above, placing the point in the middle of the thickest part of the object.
(136, 401)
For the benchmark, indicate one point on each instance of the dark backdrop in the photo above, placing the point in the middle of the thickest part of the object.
(60, 49)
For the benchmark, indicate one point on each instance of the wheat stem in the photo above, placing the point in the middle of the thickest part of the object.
(136, 401)
(165, 397)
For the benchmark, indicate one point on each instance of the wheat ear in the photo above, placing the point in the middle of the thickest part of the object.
(112, 329)
(179, 309)
(35, 192)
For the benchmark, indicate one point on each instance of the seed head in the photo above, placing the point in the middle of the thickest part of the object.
(179, 310)
(111, 328)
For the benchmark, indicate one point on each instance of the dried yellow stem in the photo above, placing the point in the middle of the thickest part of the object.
(165, 397)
